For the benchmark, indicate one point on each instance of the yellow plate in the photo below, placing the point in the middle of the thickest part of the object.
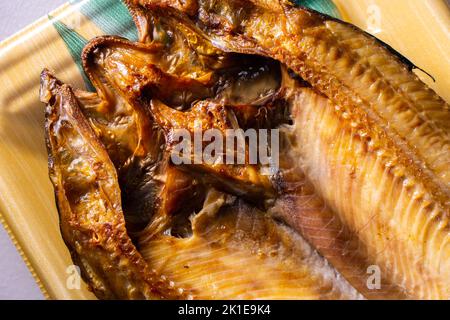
(419, 29)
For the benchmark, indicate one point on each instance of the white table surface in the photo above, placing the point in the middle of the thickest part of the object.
(16, 281)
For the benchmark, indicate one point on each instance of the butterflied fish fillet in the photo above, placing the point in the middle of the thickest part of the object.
(92, 224)
(376, 152)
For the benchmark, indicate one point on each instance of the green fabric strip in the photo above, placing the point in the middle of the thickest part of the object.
(75, 44)
(323, 6)
(111, 16)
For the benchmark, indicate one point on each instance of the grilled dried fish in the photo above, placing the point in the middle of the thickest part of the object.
(383, 135)
(88, 199)
(242, 179)
(142, 174)
(363, 177)
(94, 228)
(132, 70)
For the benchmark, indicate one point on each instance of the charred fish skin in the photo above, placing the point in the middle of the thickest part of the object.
(388, 118)
(88, 201)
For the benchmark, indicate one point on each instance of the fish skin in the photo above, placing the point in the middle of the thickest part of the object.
(128, 74)
(122, 131)
(185, 51)
(128, 134)
(121, 141)
(94, 230)
(244, 180)
(132, 73)
(396, 127)
(135, 69)
(114, 101)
